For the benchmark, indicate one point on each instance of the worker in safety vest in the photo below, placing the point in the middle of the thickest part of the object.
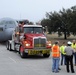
(62, 48)
(55, 57)
(74, 47)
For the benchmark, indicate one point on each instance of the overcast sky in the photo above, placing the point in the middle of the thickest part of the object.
(33, 10)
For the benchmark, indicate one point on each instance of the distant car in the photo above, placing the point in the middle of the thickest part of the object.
(7, 25)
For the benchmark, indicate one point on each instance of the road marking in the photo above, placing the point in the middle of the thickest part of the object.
(12, 60)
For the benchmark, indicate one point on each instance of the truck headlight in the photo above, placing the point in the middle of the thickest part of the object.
(27, 44)
(49, 44)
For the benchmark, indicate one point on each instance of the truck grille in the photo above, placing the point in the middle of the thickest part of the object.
(39, 43)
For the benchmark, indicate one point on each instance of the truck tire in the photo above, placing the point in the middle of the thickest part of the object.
(10, 47)
(22, 54)
(7, 45)
(46, 55)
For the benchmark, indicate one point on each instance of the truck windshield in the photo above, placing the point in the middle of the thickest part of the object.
(36, 30)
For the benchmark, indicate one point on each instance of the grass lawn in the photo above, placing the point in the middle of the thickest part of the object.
(54, 37)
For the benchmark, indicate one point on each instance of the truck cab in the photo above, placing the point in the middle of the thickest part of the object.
(34, 42)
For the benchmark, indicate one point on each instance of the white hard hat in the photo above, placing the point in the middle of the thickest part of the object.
(69, 42)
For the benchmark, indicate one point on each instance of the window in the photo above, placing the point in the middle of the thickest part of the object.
(35, 30)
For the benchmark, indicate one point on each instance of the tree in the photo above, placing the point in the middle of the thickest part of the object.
(31, 23)
(46, 23)
(61, 22)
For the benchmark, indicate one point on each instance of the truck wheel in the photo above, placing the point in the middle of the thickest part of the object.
(7, 45)
(46, 55)
(22, 54)
(10, 47)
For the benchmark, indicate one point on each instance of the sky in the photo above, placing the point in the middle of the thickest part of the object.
(32, 10)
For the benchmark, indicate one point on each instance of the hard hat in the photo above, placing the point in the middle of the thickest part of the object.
(69, 43)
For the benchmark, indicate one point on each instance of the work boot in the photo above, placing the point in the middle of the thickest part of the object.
(73, 72)
(59, 69)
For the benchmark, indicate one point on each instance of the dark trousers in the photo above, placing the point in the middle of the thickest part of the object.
(75, 57)
(63, 59)
(69, 59)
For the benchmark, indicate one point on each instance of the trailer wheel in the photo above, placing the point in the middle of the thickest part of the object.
(46, 55)
(22, 54)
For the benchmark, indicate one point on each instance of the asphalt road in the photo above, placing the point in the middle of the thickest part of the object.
(12, 64)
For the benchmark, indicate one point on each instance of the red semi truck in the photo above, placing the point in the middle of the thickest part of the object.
(34, 42)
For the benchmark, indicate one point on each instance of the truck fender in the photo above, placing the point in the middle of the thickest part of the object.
(21, 48)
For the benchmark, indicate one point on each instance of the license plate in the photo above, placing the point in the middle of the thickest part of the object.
(46, 51)
(34, 52)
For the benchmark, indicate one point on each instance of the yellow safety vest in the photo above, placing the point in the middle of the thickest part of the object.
(62, 48)
(73, 46)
